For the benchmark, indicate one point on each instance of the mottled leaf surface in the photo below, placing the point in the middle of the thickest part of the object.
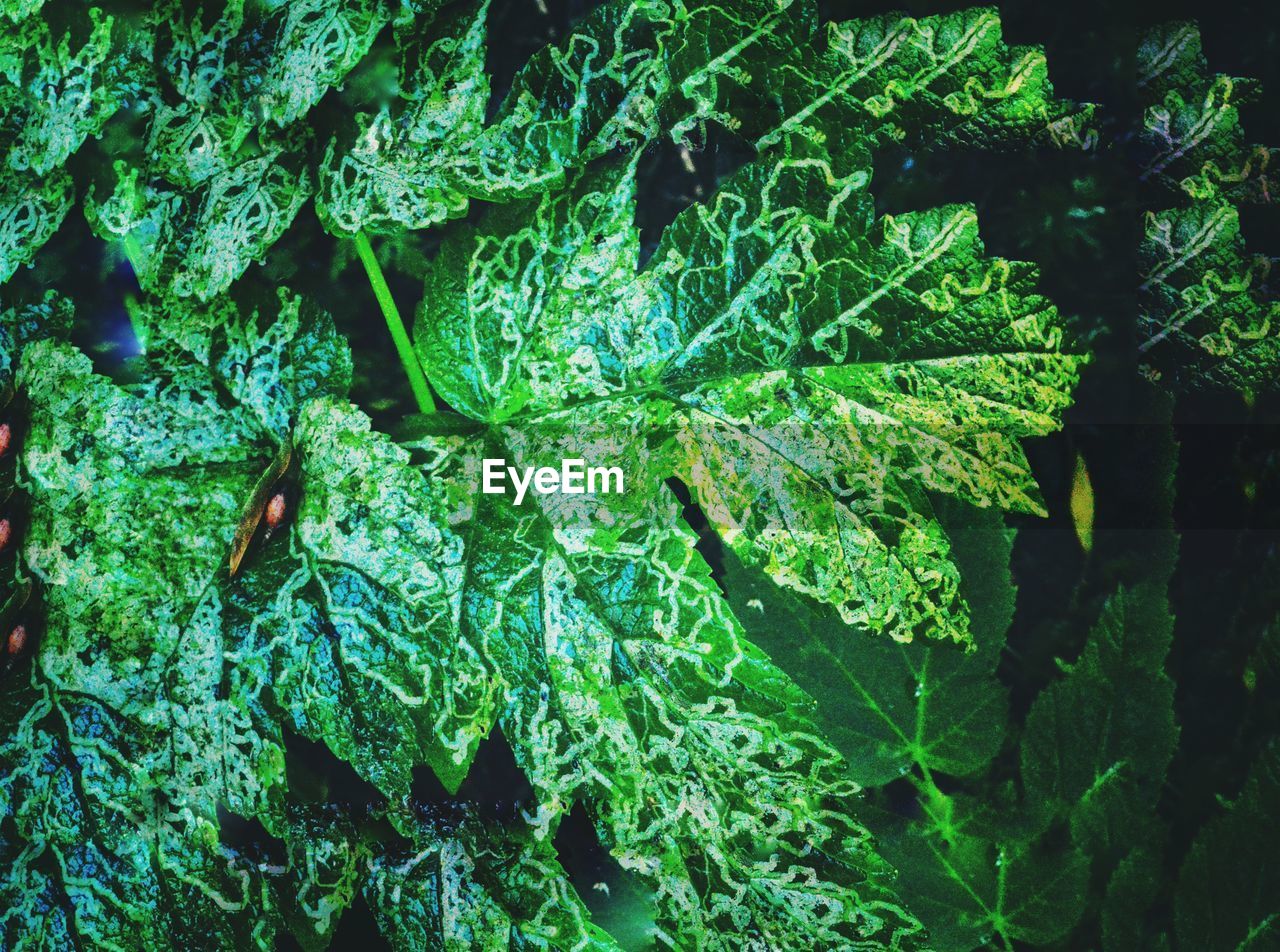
(939, 80)
(817, 371)
(63, 74)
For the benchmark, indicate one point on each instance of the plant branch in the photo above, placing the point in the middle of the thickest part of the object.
(417, 379)
(133, 254)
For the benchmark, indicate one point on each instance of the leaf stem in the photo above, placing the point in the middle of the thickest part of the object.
(133, 254)
(408, 359)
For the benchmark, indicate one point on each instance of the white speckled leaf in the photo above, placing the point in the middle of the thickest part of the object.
(815, 371)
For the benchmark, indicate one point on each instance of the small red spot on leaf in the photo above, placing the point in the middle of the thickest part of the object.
(6, 530)
(276, 510)
(17, 640)
(6, 435)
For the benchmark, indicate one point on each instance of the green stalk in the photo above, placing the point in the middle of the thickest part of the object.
(133, 254)
(408, 359)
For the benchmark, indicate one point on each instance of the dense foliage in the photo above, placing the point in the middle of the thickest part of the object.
(276, 671)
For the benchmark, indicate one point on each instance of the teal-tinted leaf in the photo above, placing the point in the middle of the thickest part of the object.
(93, 855)
(128, 555)
(31, 210)
(268, 355)
(65, 75)
(187, 679)
(26, 323)
(478, 886)
(1228, 889)
(147, 637)
(303, 47)
(216, 184)
(195, 243)
(403, 169)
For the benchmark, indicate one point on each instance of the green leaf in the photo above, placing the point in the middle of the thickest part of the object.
(1228, 893)
(970, 890)
(1192, 132)
(1131, 891)
(924, 711)
(626, 684)
(940, 80)
(818, 372)
(887, 706)
(1098, 742)
(625, 75)
(475, 890)
(1207, 318)
(976, 860)
(163, 687)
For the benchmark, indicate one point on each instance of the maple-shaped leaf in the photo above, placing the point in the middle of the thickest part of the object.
(816, 370)
(1208, 307)
(625, 683)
